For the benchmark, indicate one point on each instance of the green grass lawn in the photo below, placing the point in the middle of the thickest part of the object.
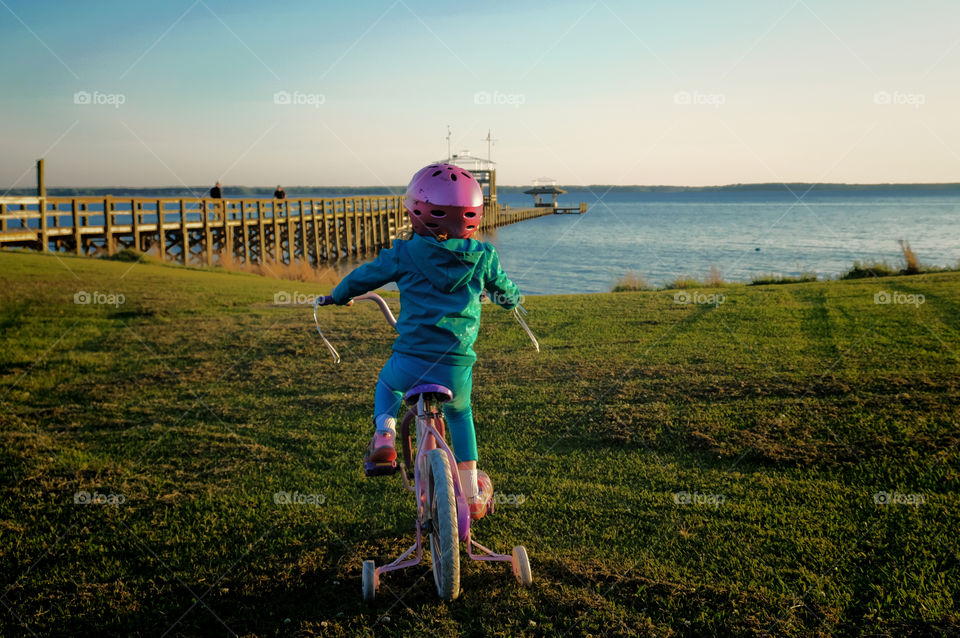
(685, 469)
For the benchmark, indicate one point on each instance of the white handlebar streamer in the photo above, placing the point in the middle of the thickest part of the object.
(333, 351)
(516, 313)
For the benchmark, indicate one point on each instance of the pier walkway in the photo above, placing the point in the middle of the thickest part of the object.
(206, 231)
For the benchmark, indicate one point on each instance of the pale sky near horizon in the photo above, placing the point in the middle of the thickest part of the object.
(320, 93)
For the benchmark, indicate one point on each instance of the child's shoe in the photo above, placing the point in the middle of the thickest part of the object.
(381, 455)
(381, 448)
(482, 503)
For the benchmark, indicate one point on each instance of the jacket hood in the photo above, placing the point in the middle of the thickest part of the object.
(449, 265)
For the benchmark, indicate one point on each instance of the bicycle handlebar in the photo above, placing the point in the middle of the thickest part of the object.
(384, 308)
(388, 315)
(370, 296)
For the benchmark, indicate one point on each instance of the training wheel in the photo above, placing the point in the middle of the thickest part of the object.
(521, 565)
(370, 581)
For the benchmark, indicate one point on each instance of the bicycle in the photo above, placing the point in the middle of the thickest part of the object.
(442, 511)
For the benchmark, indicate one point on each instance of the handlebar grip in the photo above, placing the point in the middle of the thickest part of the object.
(325, 300)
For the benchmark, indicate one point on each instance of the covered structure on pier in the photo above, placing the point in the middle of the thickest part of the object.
(484, 170)
(544, 186)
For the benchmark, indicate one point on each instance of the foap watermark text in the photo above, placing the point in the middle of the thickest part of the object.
(501, 298)
(299, 498)
(96, 98)
(696, 297)
(96, 498)
(696, 98)
(84, 298)
(295, 298)
(898, 498)
(496, 98)
(297, 98)
(885, 297)
(696, 498)
(899, 98)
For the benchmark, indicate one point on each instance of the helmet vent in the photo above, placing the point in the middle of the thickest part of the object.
(438, 213)
(471, 227)
(417, 212)
(432, 225)
(464, 174)
(453, 176)
(435, 173)
(469, 213)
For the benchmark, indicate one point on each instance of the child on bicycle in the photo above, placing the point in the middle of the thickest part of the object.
(441, 273)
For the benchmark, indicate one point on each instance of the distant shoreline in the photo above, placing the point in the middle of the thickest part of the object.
(237, 192)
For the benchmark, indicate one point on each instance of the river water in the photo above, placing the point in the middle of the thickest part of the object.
(744, 234)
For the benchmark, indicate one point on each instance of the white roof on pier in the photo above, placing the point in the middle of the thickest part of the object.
(464, 159)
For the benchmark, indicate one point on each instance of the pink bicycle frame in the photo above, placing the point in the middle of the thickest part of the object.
(428, 438)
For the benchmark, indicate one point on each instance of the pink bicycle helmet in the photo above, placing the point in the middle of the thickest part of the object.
(444, 201)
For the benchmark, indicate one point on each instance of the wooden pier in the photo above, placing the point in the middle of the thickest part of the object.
(571, 210)
(545, 186)
(206, 231)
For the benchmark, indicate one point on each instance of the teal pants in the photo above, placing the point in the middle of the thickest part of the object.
(402, 372)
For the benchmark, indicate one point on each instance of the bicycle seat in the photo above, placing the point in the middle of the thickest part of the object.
(442, 394)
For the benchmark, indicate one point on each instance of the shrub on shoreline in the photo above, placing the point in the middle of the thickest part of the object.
(863, 269)
(773, 278)
(713, 280)
(912, 266)
(630, 281)
(683, 283)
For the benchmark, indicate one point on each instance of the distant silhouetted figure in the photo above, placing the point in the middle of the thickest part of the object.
(215, 192)
(279, 194)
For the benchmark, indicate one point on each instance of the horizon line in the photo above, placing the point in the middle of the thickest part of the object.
(731, 185)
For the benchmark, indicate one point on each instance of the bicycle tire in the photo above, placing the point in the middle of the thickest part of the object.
(444, 540)
(521, 566)
(369, 581)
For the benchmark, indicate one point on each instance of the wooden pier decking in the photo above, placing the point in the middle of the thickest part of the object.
(571, 210)
(204, 231)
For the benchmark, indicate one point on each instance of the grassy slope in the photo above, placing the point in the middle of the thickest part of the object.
(198, 400)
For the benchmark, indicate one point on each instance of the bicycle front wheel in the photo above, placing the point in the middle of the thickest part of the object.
(444, 544)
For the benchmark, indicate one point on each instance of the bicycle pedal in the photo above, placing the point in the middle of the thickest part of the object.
(387, 468)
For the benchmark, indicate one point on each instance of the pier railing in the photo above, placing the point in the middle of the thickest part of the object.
(207, 231)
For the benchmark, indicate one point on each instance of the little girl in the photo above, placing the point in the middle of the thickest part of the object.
(442, 274)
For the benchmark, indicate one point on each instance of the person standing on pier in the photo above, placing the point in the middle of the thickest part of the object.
(279, 194)
(215, 192)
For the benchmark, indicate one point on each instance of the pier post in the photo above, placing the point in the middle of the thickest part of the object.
(261, 243)
(77, 237)
(368, 225)
(244, 228)
(277, 257)
(207, 248)
(41, 180)
(228, 236)
(347, 237)
(184, 236)
(135, 224)
(326, 229)
(291, 232)
(161, 233)
(316, 234)
(108, 224)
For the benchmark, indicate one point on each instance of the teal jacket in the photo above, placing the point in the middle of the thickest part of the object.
(440, 286)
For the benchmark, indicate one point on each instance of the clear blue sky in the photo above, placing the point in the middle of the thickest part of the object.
(611, 92)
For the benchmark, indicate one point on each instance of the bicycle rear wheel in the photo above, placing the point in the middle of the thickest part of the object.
(444, 543)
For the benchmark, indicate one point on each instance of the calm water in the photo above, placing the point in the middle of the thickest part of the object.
(662, 236)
